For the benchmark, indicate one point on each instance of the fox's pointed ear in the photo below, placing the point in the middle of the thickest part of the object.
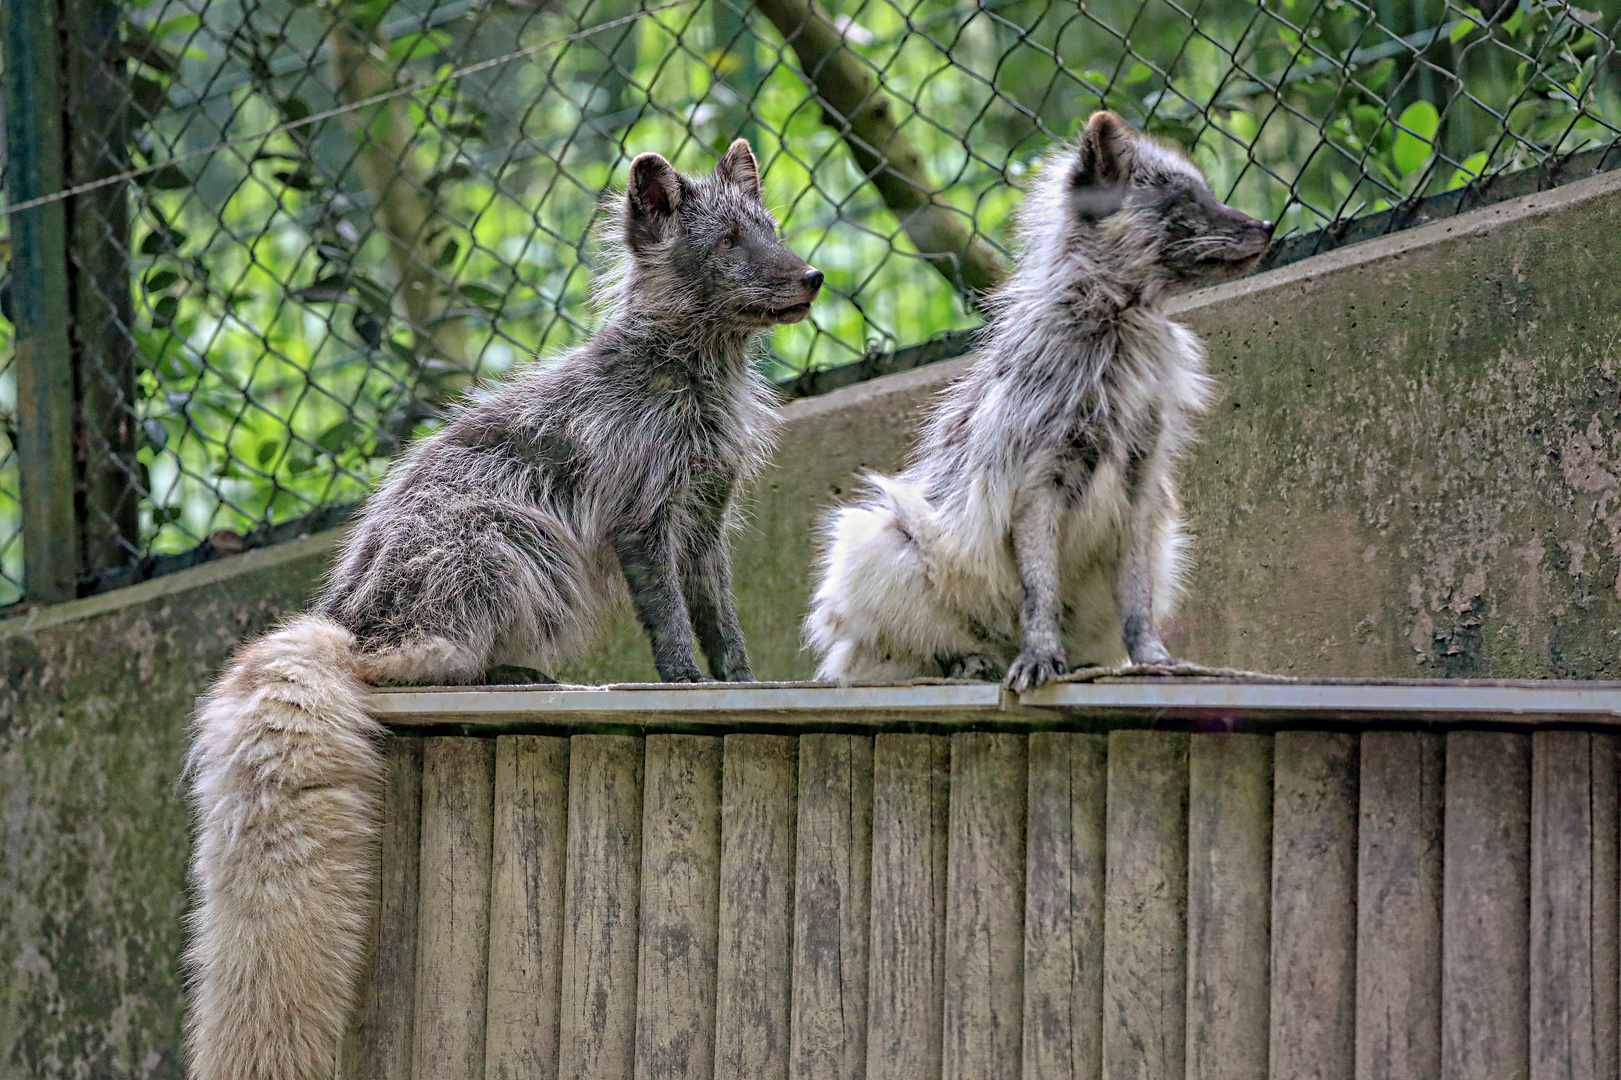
(1106, 153)
(651, 200)
(655, 187)
(738, 166)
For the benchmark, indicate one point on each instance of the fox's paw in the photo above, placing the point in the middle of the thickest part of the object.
(1031, 668)
(974, 666)
(1153, 655)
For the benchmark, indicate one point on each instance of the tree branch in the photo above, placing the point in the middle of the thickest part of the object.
(855, 104)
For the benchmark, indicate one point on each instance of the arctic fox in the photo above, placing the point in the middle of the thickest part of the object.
(505, 537)
(1037, 523)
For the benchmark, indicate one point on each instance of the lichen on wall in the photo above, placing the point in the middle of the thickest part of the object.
(1414, 469)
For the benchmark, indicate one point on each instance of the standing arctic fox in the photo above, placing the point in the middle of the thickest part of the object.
(1037, 523)
(507, 536)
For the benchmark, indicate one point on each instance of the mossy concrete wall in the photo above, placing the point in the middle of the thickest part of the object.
(1414, 469)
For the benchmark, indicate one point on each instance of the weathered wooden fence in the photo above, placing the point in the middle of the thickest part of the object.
(944, 881)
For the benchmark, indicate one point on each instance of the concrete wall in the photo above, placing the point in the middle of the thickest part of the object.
(1414, 469)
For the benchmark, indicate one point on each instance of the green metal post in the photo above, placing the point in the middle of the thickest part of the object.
(107, 426)
(40, 300)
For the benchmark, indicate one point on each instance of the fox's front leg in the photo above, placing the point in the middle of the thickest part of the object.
(647, 558)
(1135, 590)
(1035, 544)
(706, 575)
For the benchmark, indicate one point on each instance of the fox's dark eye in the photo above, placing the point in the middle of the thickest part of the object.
(726, 243)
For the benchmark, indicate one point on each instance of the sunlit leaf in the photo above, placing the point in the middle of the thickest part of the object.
(1472, 166)
(180, 24)
(1415, 136)
(415, 46)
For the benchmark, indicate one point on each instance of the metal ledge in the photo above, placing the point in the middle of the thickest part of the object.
(1443, 702)
(1195, 703)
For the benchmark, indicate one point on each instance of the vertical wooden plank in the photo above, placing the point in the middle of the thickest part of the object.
(1229, 905)
(1145, 907)
(754, 977)
(1486, 919)
(1314, 858)
(597, 1033)
(832, 915)
(526, 907)
(1606, 803)
(675, 992)
(910, 805)
(454, 911)
(1063, 914)
(1561, 906)
(1573, 906)
(1398, 969)
(984, 976)
(378, 1043)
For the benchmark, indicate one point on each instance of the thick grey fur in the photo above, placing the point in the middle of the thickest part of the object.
(503, 538)
(1040, 505)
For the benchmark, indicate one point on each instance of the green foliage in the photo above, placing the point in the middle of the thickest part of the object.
(309, 300)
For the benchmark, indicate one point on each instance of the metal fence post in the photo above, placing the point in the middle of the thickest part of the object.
(107, 428)
(39, 284)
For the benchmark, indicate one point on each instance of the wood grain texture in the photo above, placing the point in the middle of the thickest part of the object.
(1229, 905)
(1314, 909)
(1485, 952)
(832, 910)
(1399, 887)
(1063, 914)
(755, 966)
(1573, 906)
(526, 907)
(597, 1029)
(911, 796)
(984, 976)
(1145, 907)
(1606, 803)
(454, 909)
(675, 1010)
(378, 1043)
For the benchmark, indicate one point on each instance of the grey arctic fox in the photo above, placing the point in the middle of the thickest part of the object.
(1037, 524)
(505, 537)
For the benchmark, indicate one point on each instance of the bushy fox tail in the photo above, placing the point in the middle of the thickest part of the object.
(285, 771)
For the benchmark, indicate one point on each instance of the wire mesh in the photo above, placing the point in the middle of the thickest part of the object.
(11, 541)
(301, 303)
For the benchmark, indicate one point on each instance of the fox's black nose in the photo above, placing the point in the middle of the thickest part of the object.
(1269, 226)
(812, 279)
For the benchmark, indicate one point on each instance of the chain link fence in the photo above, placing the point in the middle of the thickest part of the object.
(308, 225)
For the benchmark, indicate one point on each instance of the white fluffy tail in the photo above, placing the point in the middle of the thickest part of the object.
(286, 768)
(875, 614)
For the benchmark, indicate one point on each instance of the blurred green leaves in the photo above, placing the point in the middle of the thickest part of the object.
(308, 302)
